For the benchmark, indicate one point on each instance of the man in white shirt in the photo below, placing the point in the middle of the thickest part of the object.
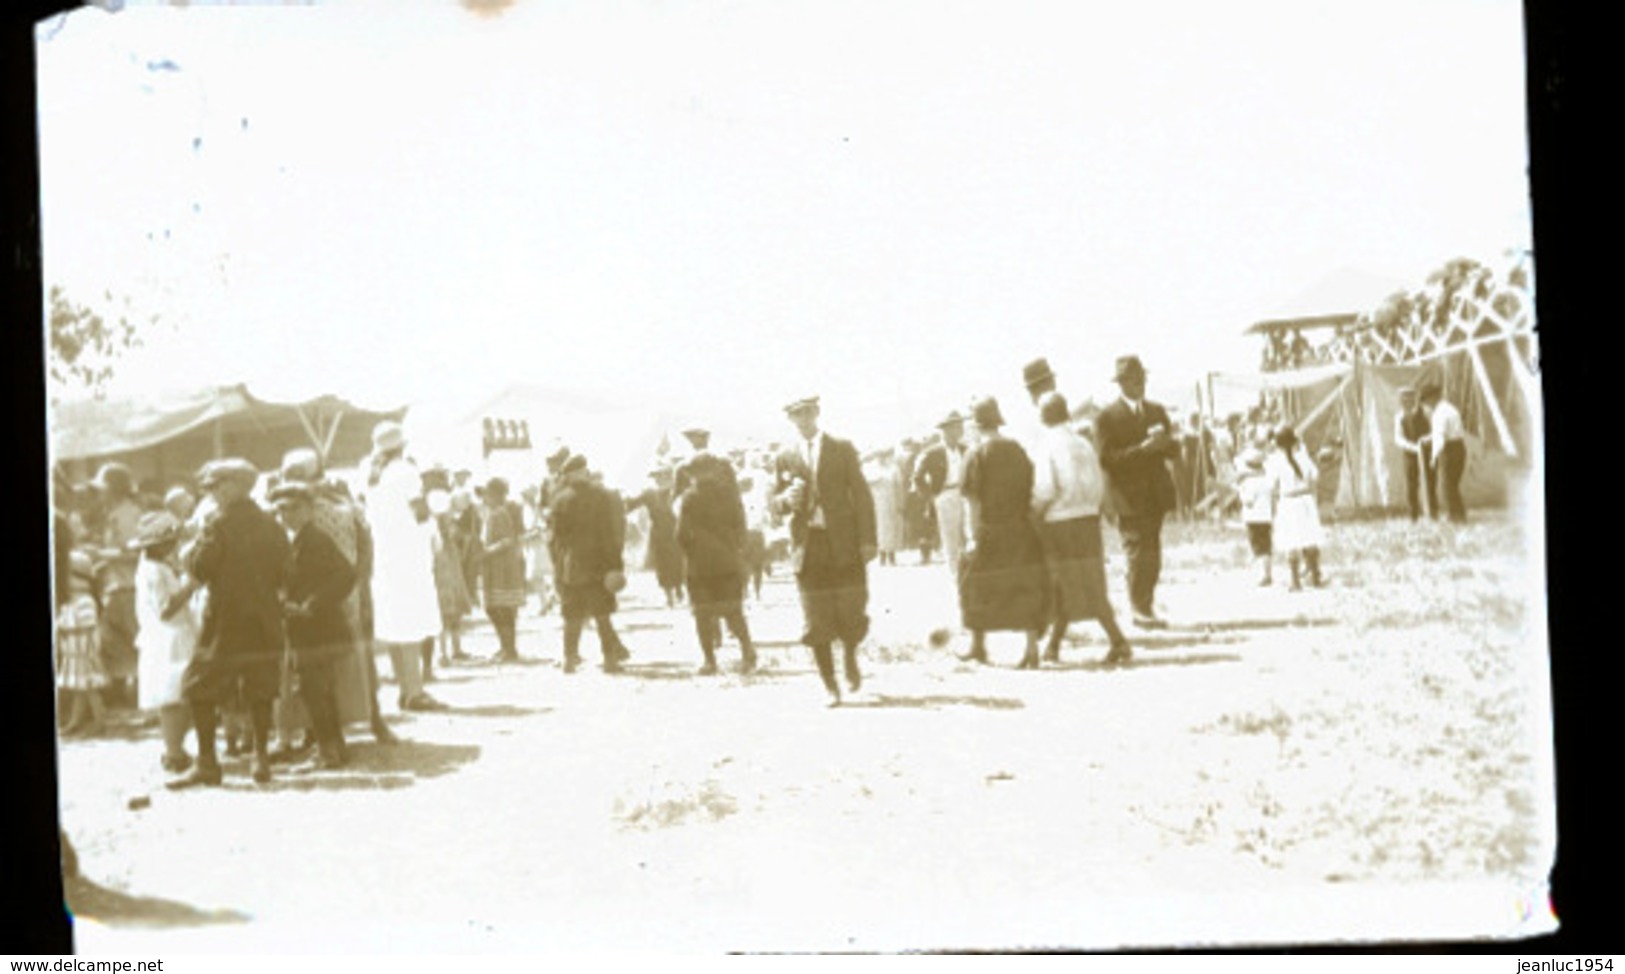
(1067, 489)
(1449, 439)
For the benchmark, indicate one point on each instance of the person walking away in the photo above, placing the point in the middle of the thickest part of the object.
(317, 581)
(819, 487)
(1297, 529)
(1256, 491)
(711, 529)
(1135, 440)
(1068, 485)
(585, 544)
(1449, 441)
(1413, 436)
(405, 605)
(167, 635)
(1003, 585)
(239, 558)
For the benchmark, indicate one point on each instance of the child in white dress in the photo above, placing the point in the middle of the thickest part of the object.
(166, 610)
(1297, 514)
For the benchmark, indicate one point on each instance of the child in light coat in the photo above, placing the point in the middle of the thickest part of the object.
(1256, 492)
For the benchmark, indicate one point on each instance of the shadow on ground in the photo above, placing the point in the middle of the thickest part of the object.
(1143, 662)
(935, 702)
(496, 710)
(89, 901)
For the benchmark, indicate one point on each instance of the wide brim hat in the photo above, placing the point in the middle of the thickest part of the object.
(1037, 372)
(231, 468)
(1128, 367)
(954, 418)
(494, 485)
(388, 435)
(155, 528)
(985, 413)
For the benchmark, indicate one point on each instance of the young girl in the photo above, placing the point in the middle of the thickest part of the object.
(1257, 495)
(79, 672)
(168, 632)
(1297, 518)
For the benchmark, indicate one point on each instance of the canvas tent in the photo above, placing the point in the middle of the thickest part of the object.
(165, 439)
(1483, 355)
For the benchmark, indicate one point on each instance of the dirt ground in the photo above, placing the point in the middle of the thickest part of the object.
(1367, 761)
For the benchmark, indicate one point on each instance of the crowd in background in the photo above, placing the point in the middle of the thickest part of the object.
(258, 604)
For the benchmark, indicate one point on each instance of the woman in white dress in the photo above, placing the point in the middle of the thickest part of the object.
(1297, 531)
(405, 603)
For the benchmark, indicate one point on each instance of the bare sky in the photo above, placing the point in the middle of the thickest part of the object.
(894, 203)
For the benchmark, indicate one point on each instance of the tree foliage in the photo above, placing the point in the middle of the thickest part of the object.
(83, 345)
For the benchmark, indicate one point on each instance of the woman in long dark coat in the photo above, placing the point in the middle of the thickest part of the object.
(1003, 585)
(665, 555)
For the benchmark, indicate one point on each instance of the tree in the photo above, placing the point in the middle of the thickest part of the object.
(83, 346)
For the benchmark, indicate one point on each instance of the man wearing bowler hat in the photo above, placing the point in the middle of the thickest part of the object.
(818, 484)
(239, 558)
(1135, 441)
(1038, 378)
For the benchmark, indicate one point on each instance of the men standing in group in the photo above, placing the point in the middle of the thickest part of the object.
(239, 559)
(1412, 435)
(1135, 441)
(819, 486)
(1449, 441)
(938, 475)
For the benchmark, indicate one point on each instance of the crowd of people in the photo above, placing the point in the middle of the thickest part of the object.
(259, 609)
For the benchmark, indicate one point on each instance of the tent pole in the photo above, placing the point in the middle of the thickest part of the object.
(310, 431)
(1488, 392)
(332, 434)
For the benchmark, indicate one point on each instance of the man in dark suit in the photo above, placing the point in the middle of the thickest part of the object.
(1135, 441)
(315, 586)
(239, 558)
(819, 486)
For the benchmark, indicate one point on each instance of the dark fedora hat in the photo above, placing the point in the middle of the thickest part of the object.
(985, 413)
(1128, 367)
(1037, 372)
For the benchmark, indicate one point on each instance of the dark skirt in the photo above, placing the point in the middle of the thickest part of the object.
(1003, 585)
(834, 598)
(1077, 568)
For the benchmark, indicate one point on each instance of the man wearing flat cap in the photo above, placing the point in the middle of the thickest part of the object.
(315, 585)
(239, 558)
(819, 486)
(1136, 442)
(585, 544)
